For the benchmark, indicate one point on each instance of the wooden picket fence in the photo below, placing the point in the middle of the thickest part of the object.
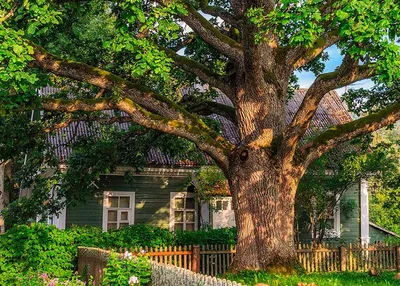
(216, 259)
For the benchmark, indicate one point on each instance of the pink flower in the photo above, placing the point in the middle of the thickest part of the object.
(44, 276)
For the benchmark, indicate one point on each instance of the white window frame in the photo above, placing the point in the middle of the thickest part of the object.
(334, 232)
(222, 200)
(131, 217)
(173, 196)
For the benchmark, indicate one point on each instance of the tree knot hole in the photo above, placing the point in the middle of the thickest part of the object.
(244, 155)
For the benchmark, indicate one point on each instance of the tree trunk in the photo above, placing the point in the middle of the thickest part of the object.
(263, 196)
(2, 195)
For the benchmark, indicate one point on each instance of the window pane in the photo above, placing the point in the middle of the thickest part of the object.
(190, 226)
(113, 202)
(124, 202)
(111, 225)
(219, 205)
(124, 215)
(179, 203)
(112, 215)
(189, 216)
(123, 224)
(179, 216)
(226, 205)
(190, 203)
(329, 224)
(178, 226)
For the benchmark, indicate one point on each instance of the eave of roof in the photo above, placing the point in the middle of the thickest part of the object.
(383, 229)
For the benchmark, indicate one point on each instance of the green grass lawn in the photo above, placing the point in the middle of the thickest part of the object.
(250, 278)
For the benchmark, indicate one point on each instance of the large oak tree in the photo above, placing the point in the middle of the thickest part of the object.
(137, 54)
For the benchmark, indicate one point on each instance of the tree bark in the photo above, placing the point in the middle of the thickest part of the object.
(263, 197)
(3, 195)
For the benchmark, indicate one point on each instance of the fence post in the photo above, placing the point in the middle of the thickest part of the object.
(398, 257)
(343, 258)
(196, 259)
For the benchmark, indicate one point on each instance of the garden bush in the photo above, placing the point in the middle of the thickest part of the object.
(138, 235)
(130, 270)
(141, 235)
(35, 279)
(28, 249)
(225, 236)
(89, 236)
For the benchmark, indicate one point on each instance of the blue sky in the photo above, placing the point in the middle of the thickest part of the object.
(335, 59)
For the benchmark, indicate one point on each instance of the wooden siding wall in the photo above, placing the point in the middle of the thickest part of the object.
(377, 235)
(152, 197)
(350, 226)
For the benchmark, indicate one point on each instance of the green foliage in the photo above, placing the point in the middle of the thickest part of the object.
(224, 236)
(139, 235)
(320, 279)
(34, 279)
(88, 236)
(130, 270)
(210, 181)
(365, 101)
(367, 29)
(329, 177)
(36, 248)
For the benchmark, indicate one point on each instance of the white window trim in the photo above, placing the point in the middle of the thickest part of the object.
(106, 194)
(222, 199)
(335, 231)
(173, 196)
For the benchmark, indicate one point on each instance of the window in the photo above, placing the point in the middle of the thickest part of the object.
(223, 204)
(183, 214)
(118, 209)
(332, 226)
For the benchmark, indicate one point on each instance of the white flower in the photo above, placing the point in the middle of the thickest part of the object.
(143, 251)
(128, 255)
(133, 280)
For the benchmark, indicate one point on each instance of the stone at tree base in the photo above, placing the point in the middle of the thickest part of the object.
(397, 276)
(373, 271)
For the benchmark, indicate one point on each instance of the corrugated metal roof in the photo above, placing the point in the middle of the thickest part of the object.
(331, 111)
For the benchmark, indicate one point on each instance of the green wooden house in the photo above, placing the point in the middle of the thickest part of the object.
(160, 195)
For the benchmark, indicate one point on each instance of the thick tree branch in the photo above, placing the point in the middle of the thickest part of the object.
(210, 107)
(89, 118)
(138, 101)
(216, 147)
(218, 12)
(345, 132)
(348, 73)
(300, 56)
(201, 71)
(211, 35)
(141, 95)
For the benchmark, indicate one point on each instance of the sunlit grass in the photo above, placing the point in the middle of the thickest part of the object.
(251, 278)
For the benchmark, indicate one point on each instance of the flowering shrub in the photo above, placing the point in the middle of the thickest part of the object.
(131, 270)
